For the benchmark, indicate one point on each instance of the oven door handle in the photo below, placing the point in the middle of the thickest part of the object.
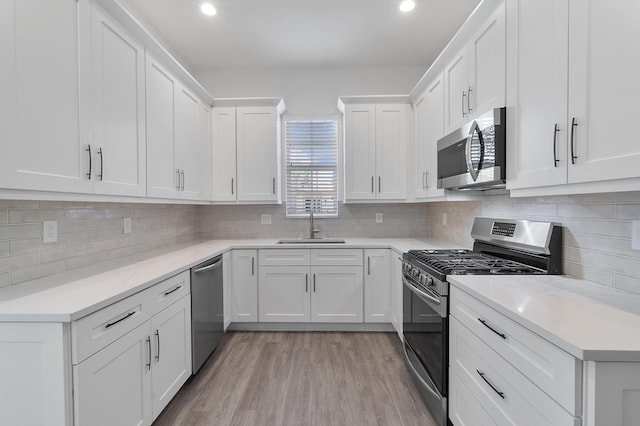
(420, 292)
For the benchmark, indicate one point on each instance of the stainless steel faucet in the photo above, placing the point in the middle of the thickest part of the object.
(312, 229)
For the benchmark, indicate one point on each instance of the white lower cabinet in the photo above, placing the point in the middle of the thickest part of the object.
(377, 285)
(303, 285)
(244, 286)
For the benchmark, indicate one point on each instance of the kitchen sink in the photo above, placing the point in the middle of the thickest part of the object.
(312, 241)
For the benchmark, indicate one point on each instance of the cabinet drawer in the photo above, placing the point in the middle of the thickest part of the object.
(555, 371)
(336, 257)
(169, 291)
(505, 395)
(99, 329)
(284, 257)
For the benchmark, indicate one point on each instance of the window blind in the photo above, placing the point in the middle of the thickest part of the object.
(312, 168)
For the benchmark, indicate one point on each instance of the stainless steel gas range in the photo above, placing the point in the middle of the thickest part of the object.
(501, 247)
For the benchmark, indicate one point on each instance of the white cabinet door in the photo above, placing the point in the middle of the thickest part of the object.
(40, 80)
(226, 288)
(360, 152)
(537, 105)
(224, 154)
(487, 65)
(337, 294)
(113, 387)
(377, 285)
(604, 64)
(186, 146)
(284, 294)
(421, 147)
(257, 153)
(171, 354)
(244, 286)
(162, 174)
(434, 131)
(118, 119)
(204, 151)
(456, 79)
(392, 135)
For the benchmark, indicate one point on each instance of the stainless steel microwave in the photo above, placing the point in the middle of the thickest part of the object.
(473, 156)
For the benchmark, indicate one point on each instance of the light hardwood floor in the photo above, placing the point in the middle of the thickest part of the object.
(299, 378)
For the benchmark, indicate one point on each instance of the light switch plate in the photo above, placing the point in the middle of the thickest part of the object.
(49, 231)
(127, 225)
(265, 219)
(635, 235)
(378, 217)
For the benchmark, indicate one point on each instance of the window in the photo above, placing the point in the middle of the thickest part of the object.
(312, 168)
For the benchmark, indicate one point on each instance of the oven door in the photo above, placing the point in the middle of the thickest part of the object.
(425, 332)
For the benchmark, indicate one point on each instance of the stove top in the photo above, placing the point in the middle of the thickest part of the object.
(466, 262)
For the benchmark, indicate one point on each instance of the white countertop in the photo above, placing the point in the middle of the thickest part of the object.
(590, 321)
(70, 296)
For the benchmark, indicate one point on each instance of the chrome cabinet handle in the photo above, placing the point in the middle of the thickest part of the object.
(500, 394)
(182, 173)
(371, 183)
(231, 186)
(89, 149)
(464, 95)
(274, 185)
(111, 324)
(306, 283)
(101, 163)
(426, 179)
(149, 346)
(178, 179)
(379, 184)
(469, 99)
(252, 266)
(423, 173)
(555, 153)
(573, 126)
(368, 265)
(166, 293)
(484, 322)
(314, 283)
(158, 341)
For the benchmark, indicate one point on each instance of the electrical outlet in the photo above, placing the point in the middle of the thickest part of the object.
(378, 217)
(265, 219)
(635, 235)
(444, 218)
(49, 231)
(127, 225)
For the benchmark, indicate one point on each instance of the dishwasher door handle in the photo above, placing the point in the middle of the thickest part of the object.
(207, 268)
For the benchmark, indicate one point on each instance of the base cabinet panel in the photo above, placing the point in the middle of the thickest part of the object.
(337, 294)
(244, 285)
(612, 393)
(377, 285)
(284, 294)
(113, 387)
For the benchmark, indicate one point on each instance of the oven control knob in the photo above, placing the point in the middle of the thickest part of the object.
(415, 272)
(429, 281)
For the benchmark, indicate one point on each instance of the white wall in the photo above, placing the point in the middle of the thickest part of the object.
(311, 93)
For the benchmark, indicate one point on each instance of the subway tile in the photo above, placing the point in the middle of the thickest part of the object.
(587, 211)
(589, 242)
(61, 253)
(599, 276)
(14, 232)
(623, 248)
(571, 254)
(84, 214)
(628, 211)
(5, 280)
(71, 227)
(628, 283)
(104, 245)
(624, 265)
(85, 260)
(612, 228)
(35, 272)
(4, 248)
(9, 263)
(31, 244)
(18, 204)
(107, 224)
(34, 216)
(4, 217)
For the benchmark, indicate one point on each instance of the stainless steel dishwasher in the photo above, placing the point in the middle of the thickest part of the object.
(207, 312)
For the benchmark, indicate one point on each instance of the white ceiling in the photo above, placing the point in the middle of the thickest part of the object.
(303, 33)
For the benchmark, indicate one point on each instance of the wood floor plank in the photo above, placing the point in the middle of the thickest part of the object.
(301, 378)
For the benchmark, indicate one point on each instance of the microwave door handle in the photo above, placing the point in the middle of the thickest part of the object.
(472, 171)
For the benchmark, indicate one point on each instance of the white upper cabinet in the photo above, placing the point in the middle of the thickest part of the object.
(571, 94)
(224, 154)
(604, 64)
(40, 96)
(375, 146)
(475, 77)
(118, 121)
(246, 150)
(429, 127)
(175, 136)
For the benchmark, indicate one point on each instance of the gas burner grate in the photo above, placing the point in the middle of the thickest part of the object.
(460, 262)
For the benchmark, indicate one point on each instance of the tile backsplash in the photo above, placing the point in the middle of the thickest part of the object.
(596, 234)
(355, 220)
(88, 233)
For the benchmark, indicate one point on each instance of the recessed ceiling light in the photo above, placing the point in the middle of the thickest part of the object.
(407, 5)
(208, 9)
